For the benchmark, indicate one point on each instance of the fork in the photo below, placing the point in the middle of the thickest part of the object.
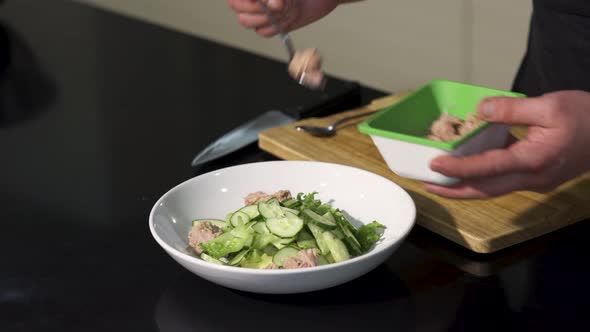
(285, 38)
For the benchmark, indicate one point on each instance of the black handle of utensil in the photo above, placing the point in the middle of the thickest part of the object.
(329, 102)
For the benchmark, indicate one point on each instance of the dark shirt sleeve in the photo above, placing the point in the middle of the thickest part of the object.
(558, 50)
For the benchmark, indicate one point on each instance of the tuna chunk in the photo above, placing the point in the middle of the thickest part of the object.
(446, 128)
(304, 258)
(282, 195)
(201, 233)
(260, 196)
(271, 266)
(449, 127)
(472, 122)
(306, 67)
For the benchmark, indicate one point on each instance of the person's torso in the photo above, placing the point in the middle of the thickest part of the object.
(575, 7)
(558, 52)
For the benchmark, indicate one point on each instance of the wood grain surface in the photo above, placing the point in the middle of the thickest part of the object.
(483, 226)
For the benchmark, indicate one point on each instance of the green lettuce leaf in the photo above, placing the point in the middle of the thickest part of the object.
(310, 202)
(369, 234)
(256, 260)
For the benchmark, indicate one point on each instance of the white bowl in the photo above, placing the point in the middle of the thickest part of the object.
(362, 195)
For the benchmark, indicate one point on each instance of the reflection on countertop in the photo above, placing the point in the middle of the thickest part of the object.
(25, 90)
(193, 304)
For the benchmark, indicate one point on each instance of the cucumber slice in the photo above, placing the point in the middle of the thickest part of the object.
(304, 235)
(351, 241)
(338, 233)
(287, 226)
(270, 250)
(251, 211)
(223, 245)
(260, 228)
(290, 203)
(305, 240)
(307, 244)
(285, 209)
(280, 243)
(286, 240)
(239, 218)
(219, 223)
(338, 249)
(347, 233)
(317, 232)
(263, 240)
(242, 231)
(269, 211)
(343, 222)
(272, 200)
(249, 241)
(328, 215)
(238, 257)
(278, 246)
(210, 259)
(330, 259)
(322, 260)
(315, 218)
(283, 254)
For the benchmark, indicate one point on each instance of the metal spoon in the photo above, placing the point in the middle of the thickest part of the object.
(286, 40)
(331, 129)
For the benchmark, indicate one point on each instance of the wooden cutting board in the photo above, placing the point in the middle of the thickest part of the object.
(483, 226)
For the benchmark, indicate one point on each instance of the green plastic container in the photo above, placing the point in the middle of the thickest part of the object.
(409, 120)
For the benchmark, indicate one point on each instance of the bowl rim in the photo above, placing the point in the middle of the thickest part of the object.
(367, 128)
(250, 271)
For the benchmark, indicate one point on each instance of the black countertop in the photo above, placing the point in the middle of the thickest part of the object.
(101, 114)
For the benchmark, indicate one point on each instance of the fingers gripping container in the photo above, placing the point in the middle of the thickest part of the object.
(400, 131)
